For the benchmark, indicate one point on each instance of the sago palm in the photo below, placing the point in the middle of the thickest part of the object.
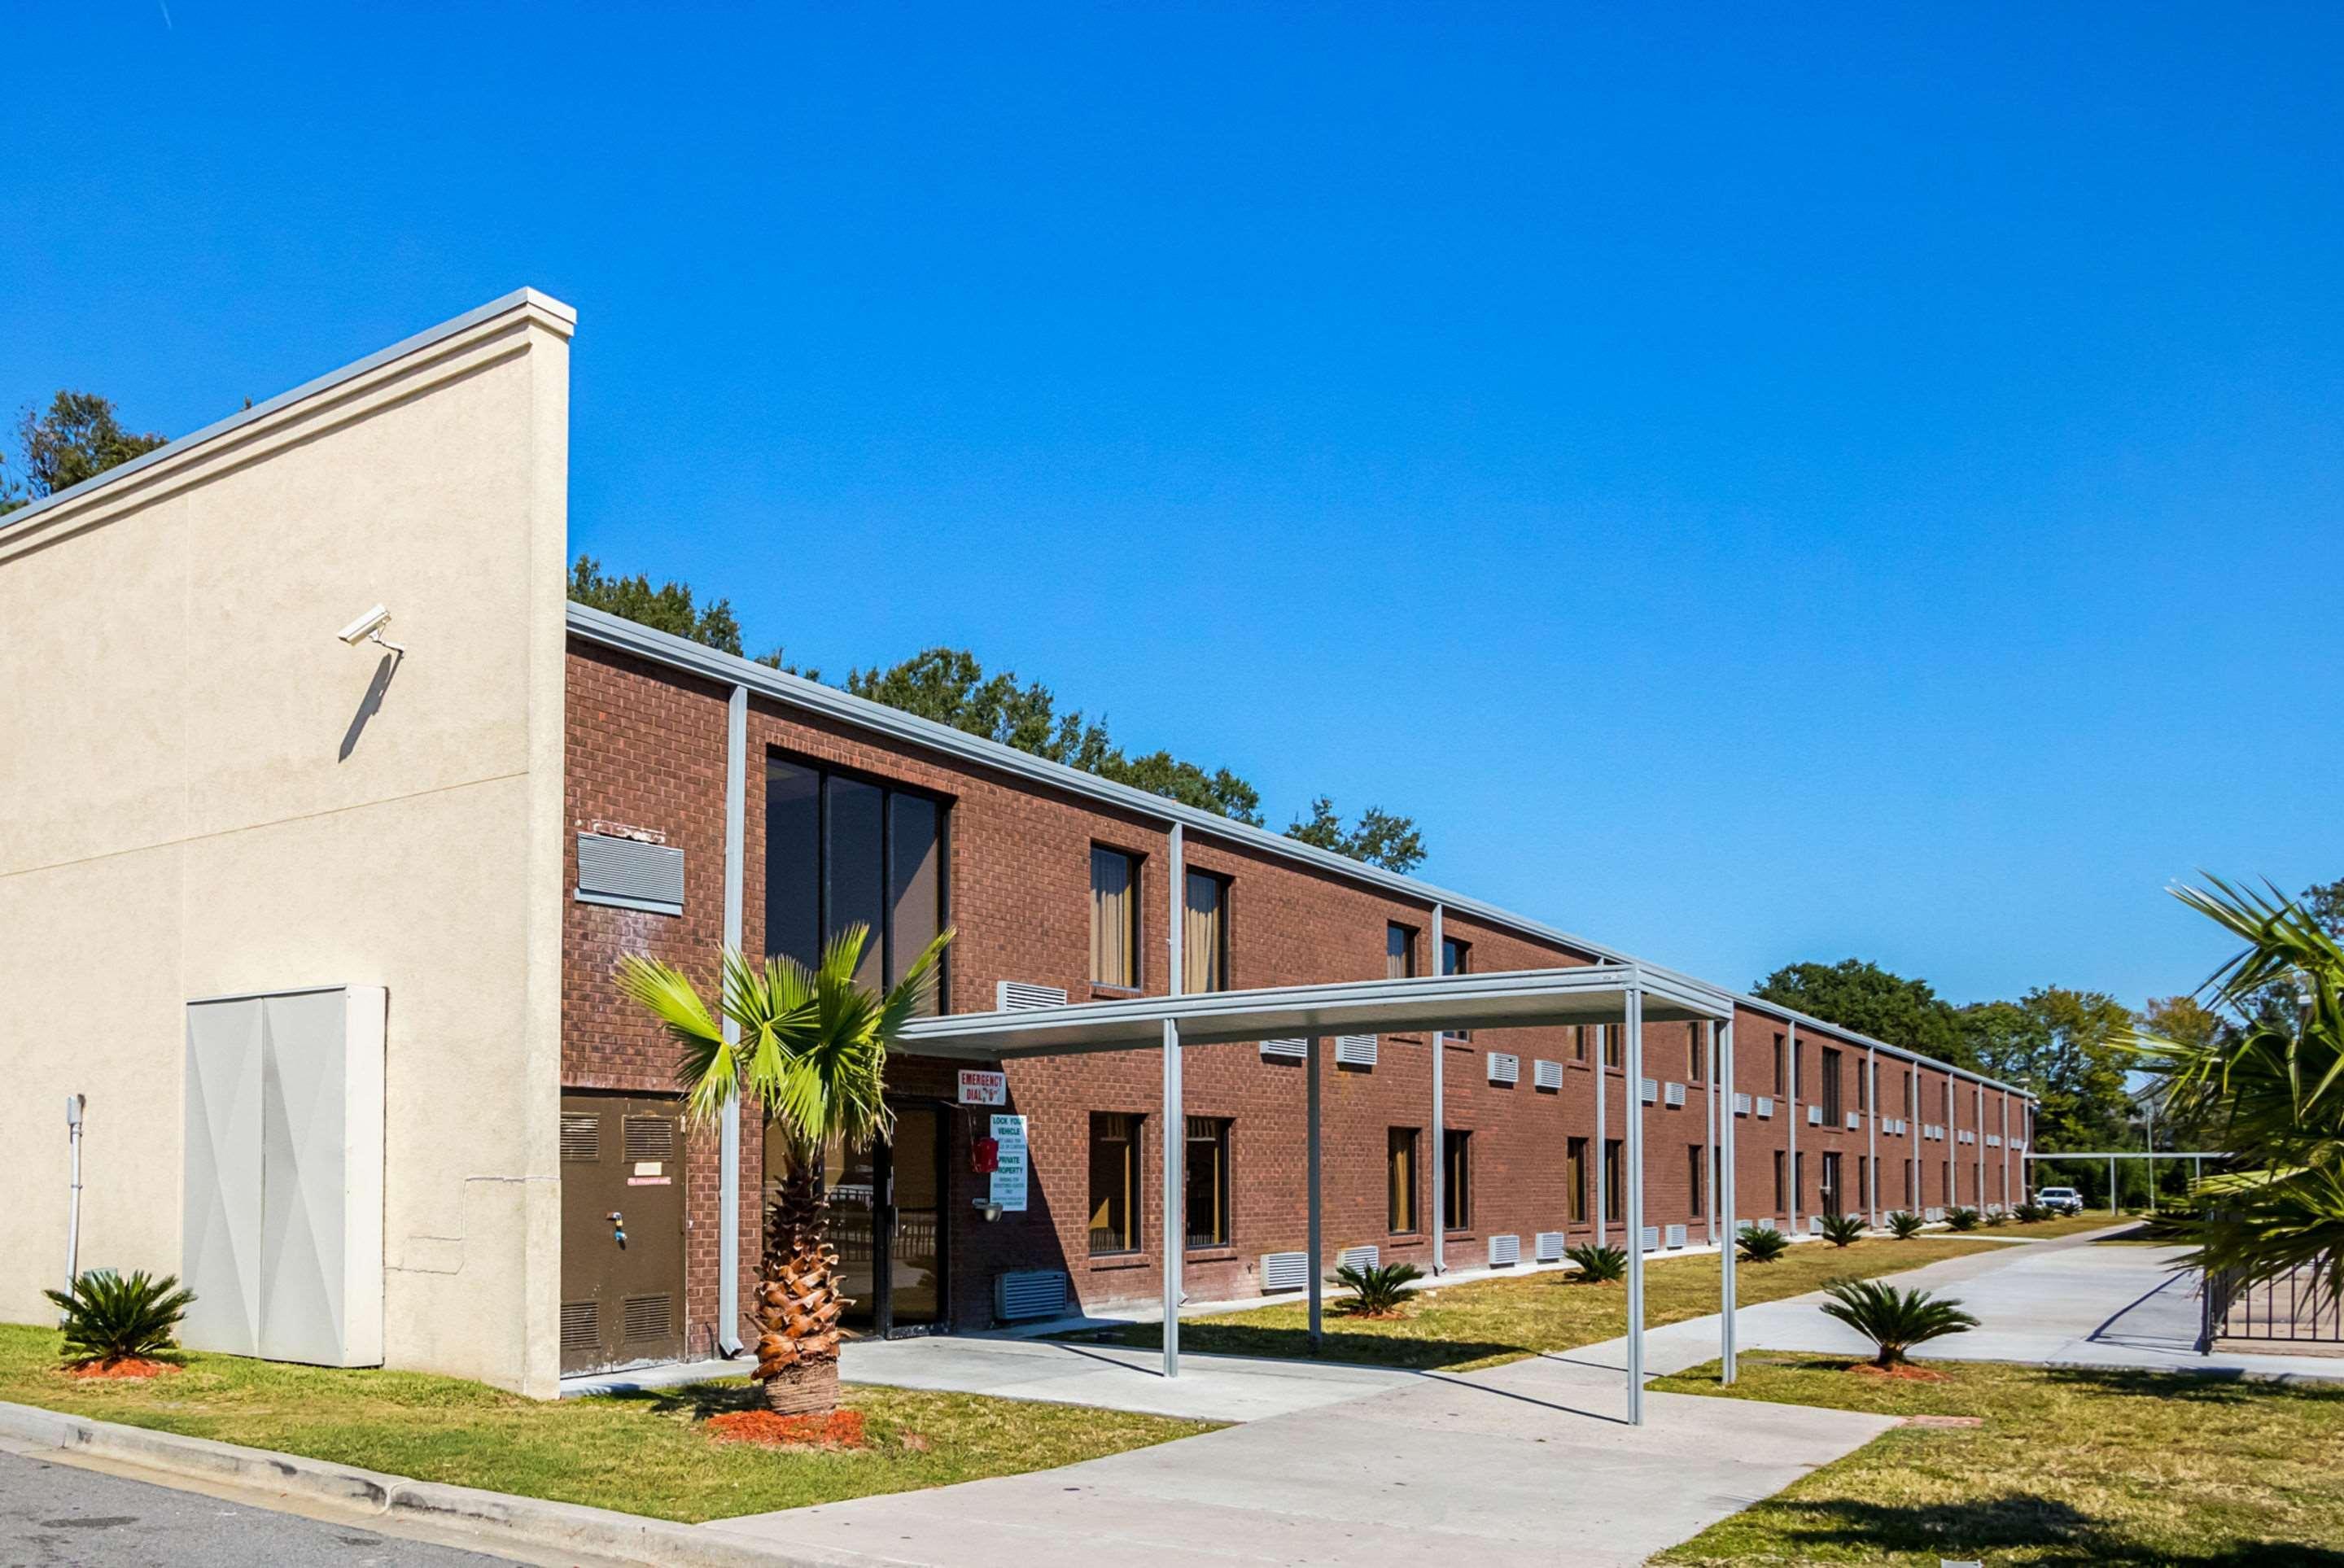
(1905, 1224)
(1377, 1292)
(1894, 1320)
(1763, 1243)
(812, 1057)
(1841, 1230)
(1598, 1265)
(2273, 1084)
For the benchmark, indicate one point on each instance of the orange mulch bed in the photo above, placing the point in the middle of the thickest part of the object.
(126, 1366)
(839, 1430)
(1907, 1373)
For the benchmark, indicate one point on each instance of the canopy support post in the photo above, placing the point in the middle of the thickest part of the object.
(1173, 1229)
(1727, 1296)
(1316, 1240)
(1634, 1218)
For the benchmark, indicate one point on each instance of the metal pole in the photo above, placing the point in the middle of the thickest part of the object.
(74, 1104)
(1709, 1165)
(1871, 1134)
(2150, 1113)
(1912, 1139)
(1311, 1146)
(1440, 1226)
(1176, 1234)
(1727, 1299)
(1792, 1084)
(1635, 1212)
(728, 1181)
(1602, 1098)
(2112, 1187)
(1977, 1142)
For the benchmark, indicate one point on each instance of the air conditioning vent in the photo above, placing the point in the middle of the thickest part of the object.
(1550, 1245)
(1854, 1120)
(649, 1317)
(1676, 1236)
(1815, 1224)
(581, 1138)
(1359, 1258)
(1650, 1087)
(1024, 996)
(1651, 1238)
(1672, 1095)
(1285, 1272)
(1814, 1116)
(629, 874)
(1355, 1051)
(1505, 1252)
(1505, 1068)
(1994, 1141)
(1546, 1074)
(651, 1138)
(1020, 1294)
(1295, 1050)
(1765, 1106)
(1741, 1105)
(581, 1326)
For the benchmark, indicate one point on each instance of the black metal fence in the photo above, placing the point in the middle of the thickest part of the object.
(2298, 1307)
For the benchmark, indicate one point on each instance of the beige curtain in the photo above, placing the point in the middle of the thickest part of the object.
(1204, 935)
(1115, 919)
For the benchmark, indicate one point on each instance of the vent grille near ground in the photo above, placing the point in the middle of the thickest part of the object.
(1029, 1293)
(1285, 1272)
(649, 1317)
(581, 1138)
(581, 1326)
(651, 1138)
(1359, 1257)
(1550, 1245)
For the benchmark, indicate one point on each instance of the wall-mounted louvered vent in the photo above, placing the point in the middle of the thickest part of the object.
(1029, 1293)
(649, 1317)
(581, 1326)
(1676, 1236)
(1024, 996)
(1650, 1087)
(651, 1138)
(1505, 1067)
(1741, 1105)
(1285, 1272)
(1765, 1106)
(1355, 1050)
(1298, 1048)
(1814, 1116)
(1994, 1141)
(581, 1138)
(1359, 1257)
(1651, 1238)
(1546, 1074)
(1854, 1120)
(1672, 1095)
(1815, 1224)
(1550, 1245)
(1932, 1214)
(630, 875)
(1764, 1223)
(1505, 1252)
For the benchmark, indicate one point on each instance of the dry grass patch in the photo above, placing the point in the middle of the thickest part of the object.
(1490, 1322)
(2062, 1467)
(649, 1453)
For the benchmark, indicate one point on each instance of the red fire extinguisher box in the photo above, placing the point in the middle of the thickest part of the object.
(983, 1156)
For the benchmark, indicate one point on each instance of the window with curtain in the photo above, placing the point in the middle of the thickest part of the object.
(1832, 1112)
(1456, 959)
(1696, 1177)
(1692, 1054)
(1205, 934)
(1457, 1179)
(1399, 951)
(1400, 1180)
(1615, 1038)
(1205, 1206)
(1114, 1182)
(842, 850)
(1115, 918)
(1778, 1064)
(1579, 1042)
(1614, 1196)
(1576, 1173)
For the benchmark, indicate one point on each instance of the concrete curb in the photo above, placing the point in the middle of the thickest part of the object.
(562, 1526)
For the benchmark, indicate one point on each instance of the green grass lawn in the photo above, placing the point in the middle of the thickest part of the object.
(2069, 1467)
(641, 1453)
(1493, 1321)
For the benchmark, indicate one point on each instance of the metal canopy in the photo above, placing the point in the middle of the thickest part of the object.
(1586, 993)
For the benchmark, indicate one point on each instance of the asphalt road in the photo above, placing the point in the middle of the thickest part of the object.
(58, 1513)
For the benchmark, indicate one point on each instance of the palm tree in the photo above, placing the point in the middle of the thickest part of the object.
(1894, 1320)
(811, 1057)
(2271, 1083)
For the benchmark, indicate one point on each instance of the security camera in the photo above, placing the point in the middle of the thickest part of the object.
(369, 625)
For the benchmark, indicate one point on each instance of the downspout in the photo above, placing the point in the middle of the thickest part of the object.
(1792, 1086)
(72, 1193)
(1872, 1135)
(728, 1227)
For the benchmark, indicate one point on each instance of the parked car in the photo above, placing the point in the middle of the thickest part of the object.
(2060, 1199)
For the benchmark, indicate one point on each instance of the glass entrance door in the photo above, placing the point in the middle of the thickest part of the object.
(887, 1221)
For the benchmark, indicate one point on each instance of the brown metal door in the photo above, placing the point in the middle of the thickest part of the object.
(622, 1231)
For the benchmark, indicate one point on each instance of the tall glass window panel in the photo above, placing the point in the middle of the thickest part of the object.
(915, 875)
(854, 864)
(841, 851)
(793, 861)
(1115, 918)
(1578, 1181)
(1456, 1181)
(1399, 951)
(1400, 1171)
(1114, 1182)
(1205, 1208)
(1205, 935)
(1614, 1196)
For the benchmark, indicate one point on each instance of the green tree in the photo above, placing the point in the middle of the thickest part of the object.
(811, 1057)
(79, 437)
(2067, 1046)
(669, 608)
(1380, 839)
(2324, 902)
(1863, 996)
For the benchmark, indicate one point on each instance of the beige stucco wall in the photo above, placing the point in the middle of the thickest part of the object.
(189, 807)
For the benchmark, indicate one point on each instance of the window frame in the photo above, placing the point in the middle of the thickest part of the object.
(1217, 1135)
(1135, 949)
(825, 772)
(1218, 970)
(1406, 955)
(1462, 952)
(1406, 1142)
(1696, 1178)
(1134, 1178)
(1456, 1181)
(1575, 1175)
(1615, 1199)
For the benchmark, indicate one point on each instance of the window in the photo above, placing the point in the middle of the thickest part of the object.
(1905, 1166)
(1456, 959)
(1399, 951)
(1946, 1189)
(1613, 1197)
(1799, 1179)
(1400, 1180)
(1576, 1170)
(1205, 935)
(1579, 1042)
(1778, 1181)
(1692, 1054)
(1695, 1178)
(1114, 1182)
(1205, 1208)
(1828, 1198)
(1831, 1114)
(1457, 1185)
(1115, 918)
(1798, 1065)
(1778, 1067)
(1615, 1039)
(842, 850)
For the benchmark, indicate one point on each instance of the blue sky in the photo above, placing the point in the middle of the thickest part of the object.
(1756, 484)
